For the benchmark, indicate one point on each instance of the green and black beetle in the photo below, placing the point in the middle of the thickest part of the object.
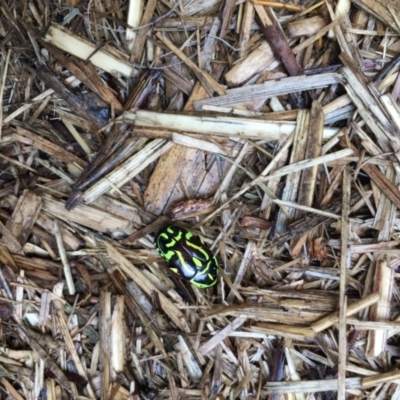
(187, 256)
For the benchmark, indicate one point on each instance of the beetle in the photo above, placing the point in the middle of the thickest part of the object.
(187, 256)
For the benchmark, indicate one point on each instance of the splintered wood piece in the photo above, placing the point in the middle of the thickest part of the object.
(178, 80)
(189, 361)
(117, 338)
(383, 283)
(243, 268)
(192, 208)
(312, 150)
(210, 45)
(384, 275)
(184, 23)
(9, 240)
(303, 209)
(86, 73)
(38, 268)
(303, 45)
(306, 27)
(379, 379)
(254, 222)
(104, 336)
(5, 256)
(70, 240)
(270, 89)
(118, 208)
(201, 7)
(245, 31)
(221, 335)
(24, 216)
(135, 10)
(140, 39)
(352, 309)
(88, 216)
(226, 16)
(64, 259)
(312, 386)
(232, 127)
(255, 62)
(292, 187)
(272, 313)
(289, 331)
(344, 266)
(67, 41)
(385, 203)
(335, 177)
(280, 159)
(198, 144)
(29, 137)
(109, 154)
(308, 181)
(393, 111)
(276, 39)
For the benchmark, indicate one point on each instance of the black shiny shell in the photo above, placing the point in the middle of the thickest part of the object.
(187, 255)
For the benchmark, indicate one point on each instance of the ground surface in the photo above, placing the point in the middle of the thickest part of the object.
(269, 129)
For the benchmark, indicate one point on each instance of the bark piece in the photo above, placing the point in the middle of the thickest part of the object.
(24, 216)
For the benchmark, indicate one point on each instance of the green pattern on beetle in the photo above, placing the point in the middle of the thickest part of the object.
(187, 256)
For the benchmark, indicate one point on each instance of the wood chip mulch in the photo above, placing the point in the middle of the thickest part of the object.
(271, 129)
